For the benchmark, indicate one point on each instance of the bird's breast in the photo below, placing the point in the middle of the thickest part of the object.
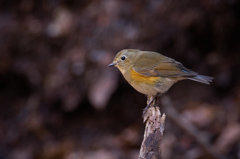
(149, 85)
(143, 84)
(137, 78)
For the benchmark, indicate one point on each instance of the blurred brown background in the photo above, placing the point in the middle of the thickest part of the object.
(58, 100)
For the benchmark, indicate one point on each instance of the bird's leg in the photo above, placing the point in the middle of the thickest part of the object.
(146, 108)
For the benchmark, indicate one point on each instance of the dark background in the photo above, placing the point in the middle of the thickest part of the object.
(58, 100)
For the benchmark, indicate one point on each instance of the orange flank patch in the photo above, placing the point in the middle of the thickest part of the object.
(138, 78)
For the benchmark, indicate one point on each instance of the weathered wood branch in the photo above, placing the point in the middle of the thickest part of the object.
(151, 144)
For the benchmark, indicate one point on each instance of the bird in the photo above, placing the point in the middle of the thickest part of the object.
(152, 73)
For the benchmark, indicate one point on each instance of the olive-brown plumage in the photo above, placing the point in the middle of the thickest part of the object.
(151, 73)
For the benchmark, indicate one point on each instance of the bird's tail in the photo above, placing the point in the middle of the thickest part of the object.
(202, 79)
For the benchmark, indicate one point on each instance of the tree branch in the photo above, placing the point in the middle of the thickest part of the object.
(151, 144)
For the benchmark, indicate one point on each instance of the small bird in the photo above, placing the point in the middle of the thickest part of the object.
(151, 73)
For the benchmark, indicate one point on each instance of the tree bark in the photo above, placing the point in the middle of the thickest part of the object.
(151, 144)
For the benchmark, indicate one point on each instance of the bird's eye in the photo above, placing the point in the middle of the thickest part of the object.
(123, 58)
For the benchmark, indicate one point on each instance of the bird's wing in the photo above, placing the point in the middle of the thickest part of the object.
(161, 66)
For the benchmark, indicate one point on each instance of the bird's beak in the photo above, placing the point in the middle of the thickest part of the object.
(112, 64)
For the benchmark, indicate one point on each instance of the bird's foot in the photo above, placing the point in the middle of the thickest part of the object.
(149, 104)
